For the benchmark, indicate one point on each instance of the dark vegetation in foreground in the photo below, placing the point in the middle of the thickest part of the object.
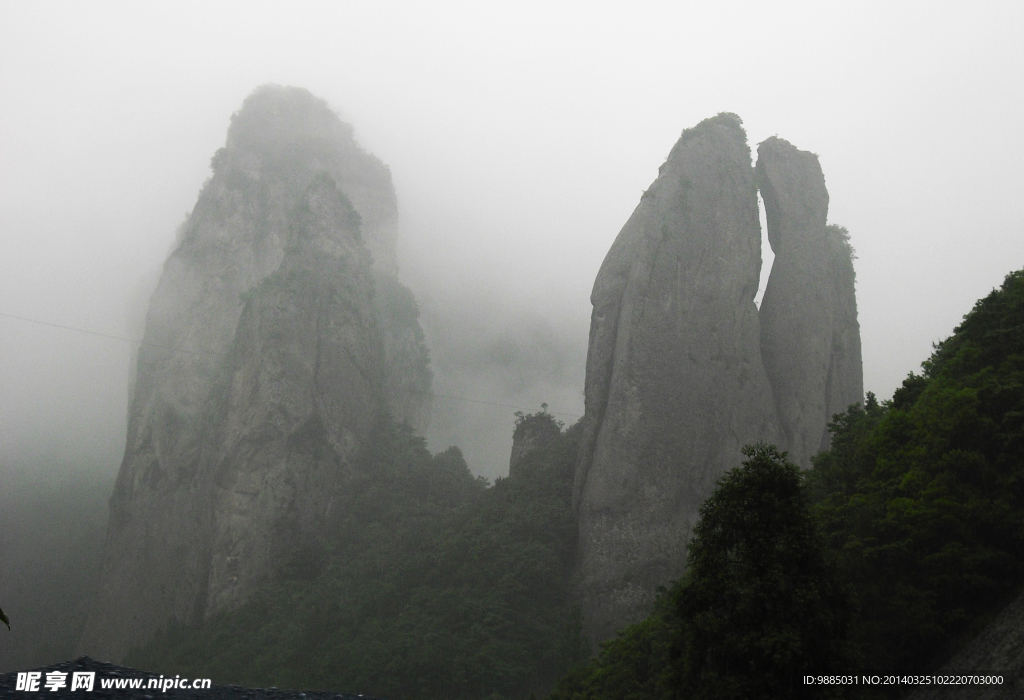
(919, 505)
(433, 586)
(763, 603)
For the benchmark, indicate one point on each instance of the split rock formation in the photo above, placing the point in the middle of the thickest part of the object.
(810, 338)
(683, 369)
(675, 384)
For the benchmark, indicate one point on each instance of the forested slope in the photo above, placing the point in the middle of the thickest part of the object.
(432, 585)
(919, 503)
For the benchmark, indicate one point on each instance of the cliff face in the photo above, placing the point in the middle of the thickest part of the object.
(845, 385)
(810, 338)
(263, 367)
(675, 384)
(408, 380)
(683, 370)
(303, 384)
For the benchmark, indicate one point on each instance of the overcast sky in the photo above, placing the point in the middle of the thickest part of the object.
(519, 136)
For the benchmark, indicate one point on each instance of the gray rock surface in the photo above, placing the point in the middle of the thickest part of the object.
(409, 379)
(845, 385)
(264, 362)
(675, 383)
(683, 370)
(810, 338)
(302, 388)
(998, 649)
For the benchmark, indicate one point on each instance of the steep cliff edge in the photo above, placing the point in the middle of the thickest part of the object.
(409, 379)
(810, 339)
(264, 361)
(675, 384)
(845, 385)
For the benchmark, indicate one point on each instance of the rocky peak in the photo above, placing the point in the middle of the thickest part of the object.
(303, 387)
(675, 385)
(277, 334)
(795, 199)
(810, 339)
(283, 137)
(683, 369)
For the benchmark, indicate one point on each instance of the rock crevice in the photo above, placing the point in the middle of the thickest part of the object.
(810, 339)
(683, 369)
(675, 384)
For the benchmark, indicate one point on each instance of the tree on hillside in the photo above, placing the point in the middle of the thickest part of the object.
(922, 497)
(762, 604)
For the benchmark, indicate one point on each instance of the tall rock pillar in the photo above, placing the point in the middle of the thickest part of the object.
(675, 384)
(276, 335)
(845, 385)
(810, 339)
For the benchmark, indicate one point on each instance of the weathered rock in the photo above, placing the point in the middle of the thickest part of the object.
(845, 385)
(408, 380)
(675, 384)
(682, 370)
(263, 366)
(810, 339)
(304, 385)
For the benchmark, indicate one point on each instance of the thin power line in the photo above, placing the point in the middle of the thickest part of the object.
(486, 403)
(141, 343)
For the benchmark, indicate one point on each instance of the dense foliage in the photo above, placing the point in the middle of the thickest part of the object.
(641, 663)
(923, 496)
(761, 605)
(435, 586)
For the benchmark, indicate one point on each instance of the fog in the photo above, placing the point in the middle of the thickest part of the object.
(520, 137)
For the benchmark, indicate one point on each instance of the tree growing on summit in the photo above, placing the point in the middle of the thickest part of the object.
(762, 604)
